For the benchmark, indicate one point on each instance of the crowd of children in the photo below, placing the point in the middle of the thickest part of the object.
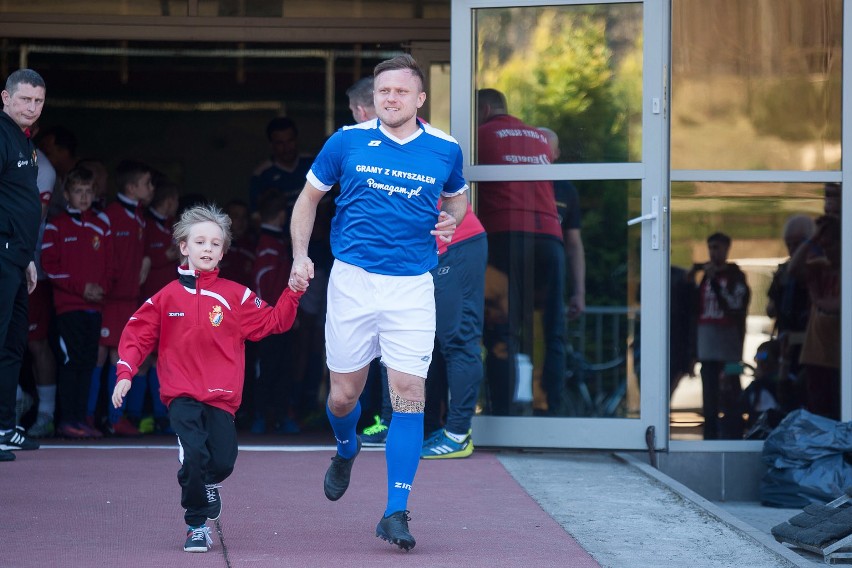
(101, 262)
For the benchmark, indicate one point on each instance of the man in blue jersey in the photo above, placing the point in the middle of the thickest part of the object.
(392, 170)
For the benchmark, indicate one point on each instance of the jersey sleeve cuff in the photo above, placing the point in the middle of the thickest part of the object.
(453, 194)
(314, 181)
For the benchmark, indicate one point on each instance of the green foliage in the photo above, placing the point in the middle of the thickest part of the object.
(557, 69)
(578, 71)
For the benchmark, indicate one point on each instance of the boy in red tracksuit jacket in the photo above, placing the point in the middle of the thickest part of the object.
(75, 253)
(199, 324)
(273, 392)
(127, 223)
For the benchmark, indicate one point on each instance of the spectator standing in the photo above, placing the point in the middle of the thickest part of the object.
(20, 211)
(567, 201)
(285, 170)
(525, 243)
(722, 305)
(76, 251)
(819, 262)
(788, 303)
(457, 361)
(40, 317)
(127, 222)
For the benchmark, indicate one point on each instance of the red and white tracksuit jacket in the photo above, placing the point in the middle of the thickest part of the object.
(199, 324)
(76, 250)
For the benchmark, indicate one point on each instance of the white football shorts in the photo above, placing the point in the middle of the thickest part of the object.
(371, 315)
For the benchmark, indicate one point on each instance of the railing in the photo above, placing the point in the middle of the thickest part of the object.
(601, 346)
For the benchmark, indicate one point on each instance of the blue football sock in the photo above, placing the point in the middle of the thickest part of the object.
(344, 430)
(94, 391)
(402, 454)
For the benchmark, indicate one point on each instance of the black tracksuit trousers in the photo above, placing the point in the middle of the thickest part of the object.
(208, 452)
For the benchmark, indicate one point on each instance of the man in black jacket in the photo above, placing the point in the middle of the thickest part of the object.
(20, 214)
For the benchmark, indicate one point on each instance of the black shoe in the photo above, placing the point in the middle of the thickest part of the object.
(394, 529)
(337, 476)
(198, 539)
(16, 440)
(6, 456)
(214, 501)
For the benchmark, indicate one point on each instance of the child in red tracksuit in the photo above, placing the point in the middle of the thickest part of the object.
(199, 324)
(129, 269)
(76, 253)
(274, 390)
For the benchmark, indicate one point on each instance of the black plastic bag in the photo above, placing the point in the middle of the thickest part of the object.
(805, 455)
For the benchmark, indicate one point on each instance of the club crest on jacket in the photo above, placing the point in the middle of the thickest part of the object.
(216, 316)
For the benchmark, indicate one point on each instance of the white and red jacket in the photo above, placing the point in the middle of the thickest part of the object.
(127, 224)
(199, 324)
(76, 250)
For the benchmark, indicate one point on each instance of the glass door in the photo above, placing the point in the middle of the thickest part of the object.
(561, 111)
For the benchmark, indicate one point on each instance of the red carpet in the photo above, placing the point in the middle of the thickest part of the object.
(69, 507)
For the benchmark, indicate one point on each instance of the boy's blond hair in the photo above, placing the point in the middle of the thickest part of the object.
(202, 214)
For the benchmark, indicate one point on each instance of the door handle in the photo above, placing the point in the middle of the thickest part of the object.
(655, 222)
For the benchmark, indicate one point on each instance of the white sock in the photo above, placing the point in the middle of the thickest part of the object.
(455, 437)
(46, 399)
(19, 394)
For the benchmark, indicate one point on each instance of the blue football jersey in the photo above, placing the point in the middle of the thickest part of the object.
(389, 190)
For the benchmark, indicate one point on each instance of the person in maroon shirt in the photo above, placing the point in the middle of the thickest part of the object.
(525, 243)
